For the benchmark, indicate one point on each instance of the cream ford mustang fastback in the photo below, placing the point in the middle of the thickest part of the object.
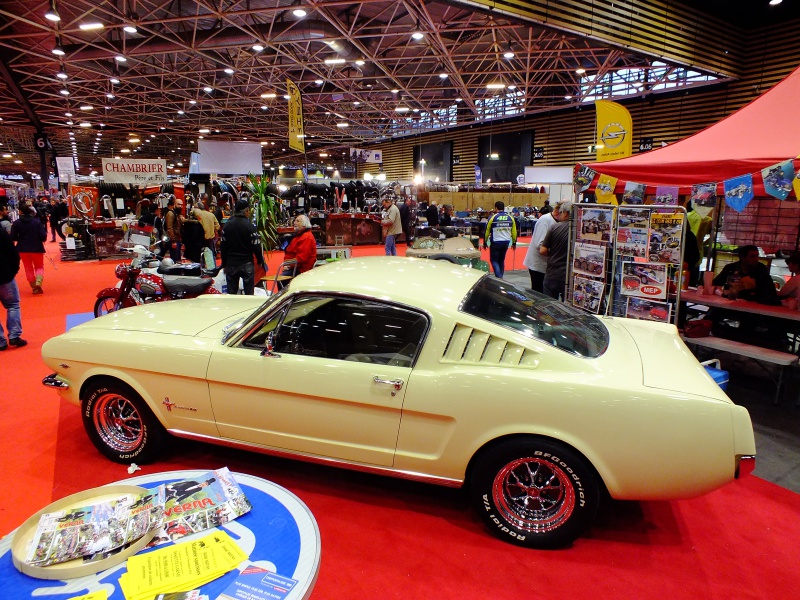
(417, 369)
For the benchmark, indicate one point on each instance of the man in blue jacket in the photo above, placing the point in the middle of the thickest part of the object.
(501, 232)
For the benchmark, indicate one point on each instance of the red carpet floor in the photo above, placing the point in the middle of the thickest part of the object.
(383, 538)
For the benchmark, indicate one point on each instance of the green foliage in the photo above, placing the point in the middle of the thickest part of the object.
(265, 210)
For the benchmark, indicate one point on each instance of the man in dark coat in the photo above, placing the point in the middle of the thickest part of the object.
(9, 293)
(405, 220)
(239, 247)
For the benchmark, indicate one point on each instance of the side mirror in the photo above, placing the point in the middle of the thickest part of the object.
(268, 350)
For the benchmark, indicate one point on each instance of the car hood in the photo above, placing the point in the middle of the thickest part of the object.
(179, 317)
(664, 356)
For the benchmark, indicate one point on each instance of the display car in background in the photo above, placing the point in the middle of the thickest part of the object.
(417, 369)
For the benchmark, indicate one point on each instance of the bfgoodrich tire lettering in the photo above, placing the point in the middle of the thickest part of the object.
(534, 492)
(120, 424)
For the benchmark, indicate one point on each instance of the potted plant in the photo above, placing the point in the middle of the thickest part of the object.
(265, 209)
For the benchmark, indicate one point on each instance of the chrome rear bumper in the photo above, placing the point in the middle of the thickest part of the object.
(53, 381)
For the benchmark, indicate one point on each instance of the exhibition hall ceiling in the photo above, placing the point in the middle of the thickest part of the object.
(165, 72)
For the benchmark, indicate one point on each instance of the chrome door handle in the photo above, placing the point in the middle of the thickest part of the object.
(397, 384)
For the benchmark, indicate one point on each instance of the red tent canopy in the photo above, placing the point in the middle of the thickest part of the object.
(759, 135)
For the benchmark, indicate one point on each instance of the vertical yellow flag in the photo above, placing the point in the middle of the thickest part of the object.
(296, 132)
(614, 131)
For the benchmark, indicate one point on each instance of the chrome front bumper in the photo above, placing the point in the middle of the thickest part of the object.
(745, 465)
(53, 381)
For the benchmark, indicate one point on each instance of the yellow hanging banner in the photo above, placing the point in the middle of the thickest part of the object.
(296, 132)
(604, 190)
(614, 131)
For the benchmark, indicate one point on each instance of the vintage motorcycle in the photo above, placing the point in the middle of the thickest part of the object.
(146, 279)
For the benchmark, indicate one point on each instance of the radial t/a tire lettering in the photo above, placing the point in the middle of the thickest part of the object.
(534, 492)
(120, 424)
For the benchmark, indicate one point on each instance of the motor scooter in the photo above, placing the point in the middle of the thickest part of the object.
(145, 280)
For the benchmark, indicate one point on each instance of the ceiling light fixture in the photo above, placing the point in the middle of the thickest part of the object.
(360, 62)
(342, 125)
(264, 107)
(509, 54)
(91, 26)
(580, 71)
(67, 114)
(258, 47)
(130, 29)
(120, 58)
(52, 13)
(334, 61)
(402, 109)
(318, 81)
(207, 89)
(229, 71)
(57, 49)
(87, 107)
(775, 2)
(62, 74)
(443, 75)
(64, 92)
(299, 13)
(85, 124)
(114, 80)
(495, 86)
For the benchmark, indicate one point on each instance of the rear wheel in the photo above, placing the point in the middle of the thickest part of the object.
(120, 424)
(535, 492)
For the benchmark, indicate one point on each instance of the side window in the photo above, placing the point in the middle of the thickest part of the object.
(351, 329)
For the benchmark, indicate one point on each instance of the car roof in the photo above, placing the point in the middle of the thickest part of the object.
(424, 283)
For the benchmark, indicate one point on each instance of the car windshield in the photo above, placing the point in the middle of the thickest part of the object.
(536, 316)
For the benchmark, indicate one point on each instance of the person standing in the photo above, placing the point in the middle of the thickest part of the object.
(447, 216)
(501, 232)
(392, 225)
(241, 244)
(9, 293)
(405, 220)
(29, 233)
(209, 223)
(53, 217)
(432, 214)
(536, 263)
(555, 246)
(5, 218)
(172, 225)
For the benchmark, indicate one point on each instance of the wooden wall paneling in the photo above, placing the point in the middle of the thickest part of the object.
(674, 31)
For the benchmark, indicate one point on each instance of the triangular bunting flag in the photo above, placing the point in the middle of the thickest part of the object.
(738, 192)
(604, 191)
(778, 179)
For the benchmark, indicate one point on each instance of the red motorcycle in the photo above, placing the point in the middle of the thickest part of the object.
(136, 287)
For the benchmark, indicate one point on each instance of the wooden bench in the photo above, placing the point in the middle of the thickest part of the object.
(776, 357)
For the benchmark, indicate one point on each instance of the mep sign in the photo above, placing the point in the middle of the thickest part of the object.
(140, 171)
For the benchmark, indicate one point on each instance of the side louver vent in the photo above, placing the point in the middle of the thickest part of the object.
(472, 346)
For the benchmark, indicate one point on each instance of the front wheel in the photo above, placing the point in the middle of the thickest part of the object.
(105, 305)
(535, 492)
(120, 424)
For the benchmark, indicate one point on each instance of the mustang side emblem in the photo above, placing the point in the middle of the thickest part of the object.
(170, 404)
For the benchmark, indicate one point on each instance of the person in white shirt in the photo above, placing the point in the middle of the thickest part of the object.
(536, 263)
(791, 289)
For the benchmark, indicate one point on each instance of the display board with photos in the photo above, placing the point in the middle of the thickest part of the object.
(626, 260)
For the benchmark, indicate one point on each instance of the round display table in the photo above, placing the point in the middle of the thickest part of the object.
(280, 535)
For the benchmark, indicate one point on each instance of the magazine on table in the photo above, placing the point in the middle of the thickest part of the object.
(94, 530)
(200, 503)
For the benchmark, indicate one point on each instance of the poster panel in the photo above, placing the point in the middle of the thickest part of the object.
(644, 280)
